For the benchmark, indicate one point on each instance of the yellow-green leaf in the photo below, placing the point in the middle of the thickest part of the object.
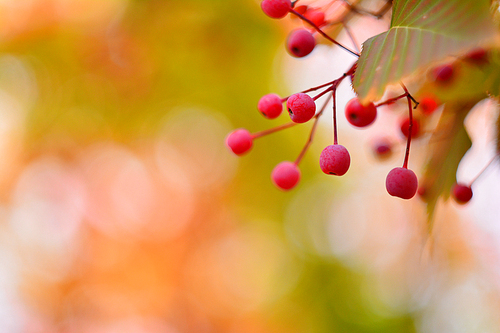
(448, 145)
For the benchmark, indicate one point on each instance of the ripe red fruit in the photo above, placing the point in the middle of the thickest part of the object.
(427, 105)
(270, 106)
(301, 107)
(286, 175)
(335, 160)
(300, 43)
(239, 141)
(360, 115)
(405, 127)
(461, 193)
(443, 74)
(276, 8)
(401, 183)
(315, 16)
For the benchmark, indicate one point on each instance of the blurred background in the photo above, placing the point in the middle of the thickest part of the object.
(122, 210)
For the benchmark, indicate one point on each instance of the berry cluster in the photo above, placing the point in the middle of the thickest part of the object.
(301, 106)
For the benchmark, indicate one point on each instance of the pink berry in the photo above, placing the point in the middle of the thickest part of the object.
(382, 148)
(401, 183)
(442, 74)
(300, 43)
(360, 115)
(286, 175)
(301, 107)
(335, 160)
(405, 127)
(461, 193)
(427, 105)
(239, 141)
(276, 8)
(270, 105)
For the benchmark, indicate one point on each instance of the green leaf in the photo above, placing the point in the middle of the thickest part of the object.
(448, 144)
(422, 32)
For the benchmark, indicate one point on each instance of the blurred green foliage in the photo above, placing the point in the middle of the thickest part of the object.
(117, 82)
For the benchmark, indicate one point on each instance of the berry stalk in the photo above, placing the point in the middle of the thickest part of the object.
(410, 126)
(311, 134)
(272, 130)
(322, 33)
(482, 170)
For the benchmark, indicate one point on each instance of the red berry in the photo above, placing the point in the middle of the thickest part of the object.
(301, 107)
(461, 193)
(405, 127)
(427, 105)
(335, 160)
(401, 183)
(477, 56)
(239, 141)
(443, 74)
(300, 43)
(382, 148)
(422, 192)
(360, 115)
(286, 175)
(270, 105)
(301, 9)
(315, 16)
(276, 8)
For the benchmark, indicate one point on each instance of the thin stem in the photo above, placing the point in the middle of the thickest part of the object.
(257, 135)
(311, 134)
(409, 95)
(410, 112)
(391, 100)
(482, 171)
(323, 92)
(381, 12)
(334, 96)
(310, 89)
(302, 17)
(335, 141)
(322, 109)
(351, 36)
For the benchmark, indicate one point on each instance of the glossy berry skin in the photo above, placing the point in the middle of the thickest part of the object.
(270, 106)
(300, 43)
(276, 8)
(301, 107)
(427, 105)
(405, 127)
(360, 115)
(401, 183)
(461, 193)
(286, 175)
(335, 160)
(443, 74)
(239, 141)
